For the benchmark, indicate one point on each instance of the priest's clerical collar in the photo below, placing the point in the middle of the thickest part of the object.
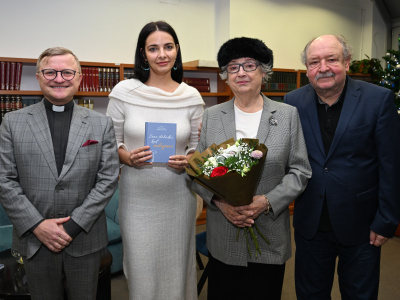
(58, 108)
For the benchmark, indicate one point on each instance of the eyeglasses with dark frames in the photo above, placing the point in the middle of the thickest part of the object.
(247, 66)
(51, 74)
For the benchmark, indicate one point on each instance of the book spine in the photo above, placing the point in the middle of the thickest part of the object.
(7, 78)
(7, 104)
(196, 81)
(116, 76)
(13, 103)
(100, 71)
(112, 79)
(18, 75)
(11, 86)
(96, 79)
(86, 79)
(82, 85)
(202, 88)
(2, 75)
(91, 80)
(108, 78)
(18, 102)
(104, 81)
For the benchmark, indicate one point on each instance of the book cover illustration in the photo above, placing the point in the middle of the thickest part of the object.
(161, 137)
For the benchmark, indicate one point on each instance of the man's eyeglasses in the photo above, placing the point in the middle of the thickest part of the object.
(247, 66)
(51, 74)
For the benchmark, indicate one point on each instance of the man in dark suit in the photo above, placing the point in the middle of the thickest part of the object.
(58, 170)
(351, 205)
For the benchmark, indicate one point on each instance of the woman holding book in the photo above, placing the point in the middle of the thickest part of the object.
(235, 271)
(157, 206)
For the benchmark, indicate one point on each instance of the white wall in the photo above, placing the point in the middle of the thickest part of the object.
(99, 30)
(287, 25)
(106, 31)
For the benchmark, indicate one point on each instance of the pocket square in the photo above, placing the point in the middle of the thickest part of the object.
(89, 142)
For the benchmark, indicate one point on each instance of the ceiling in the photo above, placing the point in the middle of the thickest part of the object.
(390, 10)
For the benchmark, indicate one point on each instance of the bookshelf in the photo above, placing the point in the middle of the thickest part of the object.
(220, 90)
(30, 87)
(281, 82)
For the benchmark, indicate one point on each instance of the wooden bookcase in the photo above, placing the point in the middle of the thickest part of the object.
(222, 92)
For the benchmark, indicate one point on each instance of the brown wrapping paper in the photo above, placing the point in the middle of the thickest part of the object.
(231, 187)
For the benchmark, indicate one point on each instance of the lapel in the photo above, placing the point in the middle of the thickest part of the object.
(349, 106)
(41, 132)
(76, 137)
(310, 107)
(263, 129)
(228, 120)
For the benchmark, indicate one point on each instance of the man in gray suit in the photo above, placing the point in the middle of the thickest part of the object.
(58, 170)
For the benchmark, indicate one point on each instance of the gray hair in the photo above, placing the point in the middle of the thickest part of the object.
(347, 51)
(265, 68)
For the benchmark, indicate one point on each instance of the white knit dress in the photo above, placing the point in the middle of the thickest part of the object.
(157, 206)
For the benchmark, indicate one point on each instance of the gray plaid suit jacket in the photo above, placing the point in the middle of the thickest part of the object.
(31, 190)
(285, 175)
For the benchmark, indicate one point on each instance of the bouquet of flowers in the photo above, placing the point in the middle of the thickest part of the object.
(231, 170)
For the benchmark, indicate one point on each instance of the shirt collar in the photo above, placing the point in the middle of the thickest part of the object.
(58, 108)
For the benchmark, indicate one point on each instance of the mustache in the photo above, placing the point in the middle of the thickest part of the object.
(325, 75)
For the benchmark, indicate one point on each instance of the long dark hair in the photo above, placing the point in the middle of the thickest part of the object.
(139, 72)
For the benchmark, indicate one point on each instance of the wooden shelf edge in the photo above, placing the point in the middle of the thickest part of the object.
(39, 93)
(83, 63)
(215, 94)
(22, 93)
(16, 59)
(99, 64)
(92, 94)
(275, 93)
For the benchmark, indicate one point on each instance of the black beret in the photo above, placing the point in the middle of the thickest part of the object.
(244, 47)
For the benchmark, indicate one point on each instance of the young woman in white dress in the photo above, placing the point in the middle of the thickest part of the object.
(157, 206)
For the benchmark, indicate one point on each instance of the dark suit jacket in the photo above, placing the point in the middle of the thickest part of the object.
(31, 190)
(361, 173)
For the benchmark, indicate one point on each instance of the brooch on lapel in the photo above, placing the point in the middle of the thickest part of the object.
(273, 121)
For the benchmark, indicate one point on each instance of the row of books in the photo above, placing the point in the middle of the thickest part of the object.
(9, 103)
(96, 79)
(10, 75)
(201, 84)
(12, 102)
(278, 87)
(128, 73)
(88, 103)
(281, 82)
